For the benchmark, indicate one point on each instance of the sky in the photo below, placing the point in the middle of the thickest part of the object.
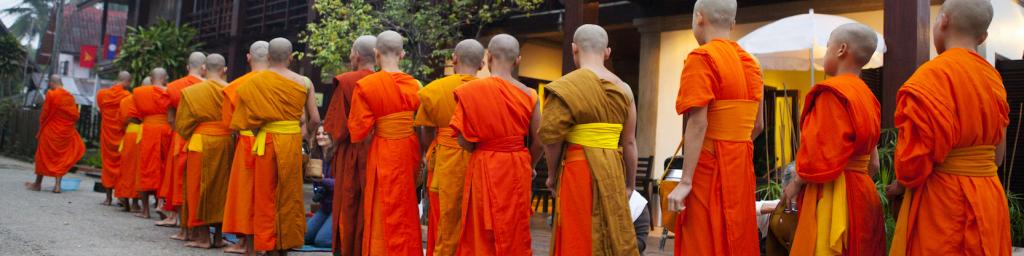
(8, 19)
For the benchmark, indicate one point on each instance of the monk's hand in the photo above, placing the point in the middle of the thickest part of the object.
(678, 196)
(790, 193)
(894, 190)
(550, 182)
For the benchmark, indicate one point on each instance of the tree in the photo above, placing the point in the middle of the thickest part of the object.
(431, 28)
(161, 45)
(12, 60)
(32, 18)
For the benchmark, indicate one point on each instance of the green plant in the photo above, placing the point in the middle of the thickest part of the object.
(1016, 205)
(12, 61)
(92, 158)
(163, 44)
(32, 17)
(430, 28)
(885, 176)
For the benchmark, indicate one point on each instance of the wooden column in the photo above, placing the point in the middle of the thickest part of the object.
(906, 40)
(577, 12)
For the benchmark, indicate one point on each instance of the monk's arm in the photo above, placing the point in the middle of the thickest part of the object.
(1001, 150)
(553, 153)
(874, 165)
(427, 135)
(313, 116)
(184, 121)
(536, 146)
(629, 151)
(759, 122)
(695, 127)
(465, 144)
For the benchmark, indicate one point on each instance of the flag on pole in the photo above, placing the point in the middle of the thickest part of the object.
(87, 58)
(113, 46)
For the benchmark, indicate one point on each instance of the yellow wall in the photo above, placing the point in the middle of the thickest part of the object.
(540, 61)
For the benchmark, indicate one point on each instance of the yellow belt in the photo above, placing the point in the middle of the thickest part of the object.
(973, 161)
(132, 128)
(246, 133)
(595, 135)
(279, 127)
(215, 128)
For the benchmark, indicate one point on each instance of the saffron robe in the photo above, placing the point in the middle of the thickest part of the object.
(446, 164)
(951, 105)
(238, 212)
(152, 103)
(719, 218)
(383, 103)
(111, 130)
(349, 166)
(267, 98)
(208, 168)
(839, 130)
(60, 146)
(129, 115)
(174, 175)
(496, 115)
(592, 212)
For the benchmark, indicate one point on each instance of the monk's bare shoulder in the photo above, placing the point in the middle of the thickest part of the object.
(523, 87)
(614, 79)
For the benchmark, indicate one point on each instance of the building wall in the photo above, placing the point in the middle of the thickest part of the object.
(541, 61)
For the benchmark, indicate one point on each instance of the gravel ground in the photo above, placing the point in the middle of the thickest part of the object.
(74, 222)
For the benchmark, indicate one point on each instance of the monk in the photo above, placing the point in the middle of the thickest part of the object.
(383, 103)
(589, 125)
(151, 102)
(348, 160)
(238, 208)
(493, 117)
(111, 130)
(199, 118)
(60, 146)
(129, 117)
(446, 160)
(275, 102)
(173, 181)
(720, 100)
(840, 211)
(952, 116)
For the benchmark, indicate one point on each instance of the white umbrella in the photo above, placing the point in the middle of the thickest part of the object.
(788, 43)
(1007, 30)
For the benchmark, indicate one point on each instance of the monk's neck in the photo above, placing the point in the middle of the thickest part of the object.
(217, 79)
(969, 46)
(593, 66)
(364, 66)
(257, 66)
(503, 74)
(468, 71)
(196, 75)
(712, 34)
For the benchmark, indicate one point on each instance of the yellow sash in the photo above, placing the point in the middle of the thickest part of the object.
(215, 128)
(446, 137)
(595, 135)
(246, 133)
(831, 211)
(731, 120)
(973, 161)
(395, 125)
(132, 128)
(278, 127)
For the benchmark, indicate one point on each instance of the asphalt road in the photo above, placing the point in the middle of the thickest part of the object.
(74, 222)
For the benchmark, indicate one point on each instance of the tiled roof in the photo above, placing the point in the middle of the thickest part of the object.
(82, 27)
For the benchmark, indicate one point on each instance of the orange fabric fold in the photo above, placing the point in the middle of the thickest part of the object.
(174, 166)
(199, 117)
(111, 131)
(349, 166)
(719, 219)
(953, 102)
(495, 114)
(60, 146)
(238, 206)
(152, 103)
(125, 187)
(382, 102)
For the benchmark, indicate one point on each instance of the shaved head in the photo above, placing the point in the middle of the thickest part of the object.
(389, 43)
(591, 38)
(259, 51)
(503, 48)
(159, 75)
(470, 53)
(861, 41)
(124, 76)
(968, 17)
(215, 62)
(196, 60)
(280, 50)
(718, 13)
(147, 80)
(363, 47)
(55, 80)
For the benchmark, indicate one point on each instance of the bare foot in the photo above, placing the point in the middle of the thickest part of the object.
(179, 237)
(56, 190)
(198, 244)
(140, 215)
(238, 248)
(106, 202)
(166, 223)
(33, 187)
(221, 243)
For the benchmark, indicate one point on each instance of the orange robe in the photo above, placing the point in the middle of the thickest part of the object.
(129, 115)
(383, 103)
(349, 166)
(111, 131)
(950, 114)
(200, 119)
(152, 103)
(592, 214)
(720, 218)
(839, 130)
(60, 146)
(495, 115)
(266, 101)
(174, 175)
(238, 210)
(446, 162)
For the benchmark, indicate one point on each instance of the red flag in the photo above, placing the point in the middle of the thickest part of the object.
(87, 58)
